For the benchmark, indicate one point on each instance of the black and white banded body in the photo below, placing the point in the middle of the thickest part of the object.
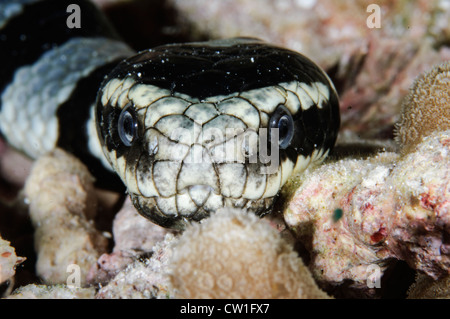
(188, 128)
(50, 75)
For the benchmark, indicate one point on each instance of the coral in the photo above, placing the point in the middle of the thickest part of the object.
(374, 82)
(426, 108)
(133, 236)
(422, 228)
(52, 292)
(344, 248)
(233, 254)
(62, 204)
(142, 279)
(392, 207)
(14, 169)
(133, 233)
(8, 261)
(428, 288)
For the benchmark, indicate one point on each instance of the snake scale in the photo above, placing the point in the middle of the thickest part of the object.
(188, 128)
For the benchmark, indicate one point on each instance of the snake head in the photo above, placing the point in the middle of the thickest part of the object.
(193, 127)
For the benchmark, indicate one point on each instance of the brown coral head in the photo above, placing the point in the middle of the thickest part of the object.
(234, 254)
(426, 108)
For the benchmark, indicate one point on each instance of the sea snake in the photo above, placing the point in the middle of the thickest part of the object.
(188, 128)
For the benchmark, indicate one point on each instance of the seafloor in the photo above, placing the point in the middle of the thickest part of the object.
(373, 221)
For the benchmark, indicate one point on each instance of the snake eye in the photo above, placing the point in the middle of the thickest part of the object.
(127, 126)
(282, 120)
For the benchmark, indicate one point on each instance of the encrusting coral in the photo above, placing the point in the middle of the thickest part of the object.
(342, 246)
(426, 108)
(390, 206)
(421, 181)
(234, 254)
(8, 261)
(62, 204)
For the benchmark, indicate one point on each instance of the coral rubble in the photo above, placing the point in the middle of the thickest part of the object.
(343, 248)
(52, 292)
(392, 208)
(62, 204)
(143, 278)
(8, 261)
(133, 236)
(422, 228)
